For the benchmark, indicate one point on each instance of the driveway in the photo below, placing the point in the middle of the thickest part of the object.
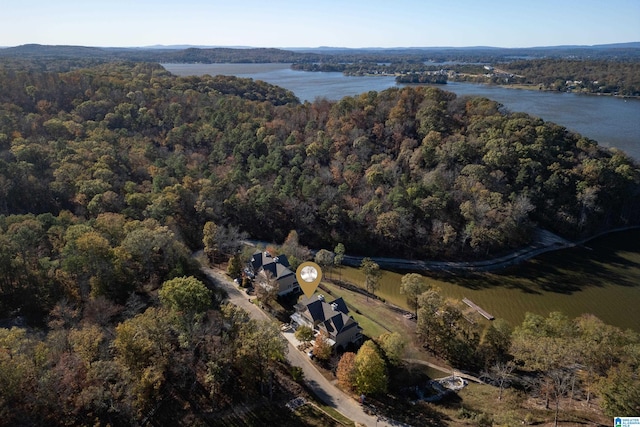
(323, 388)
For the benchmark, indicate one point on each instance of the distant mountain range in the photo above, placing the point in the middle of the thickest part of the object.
(239, 54)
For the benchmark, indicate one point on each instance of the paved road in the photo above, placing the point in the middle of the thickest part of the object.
(543, 241)
(323, 388)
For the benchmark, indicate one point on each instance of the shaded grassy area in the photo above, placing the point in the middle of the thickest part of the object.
(478, 402)
(337, 419)
(602, 277)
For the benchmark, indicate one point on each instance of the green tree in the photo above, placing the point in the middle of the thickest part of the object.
(143, 347)
(549, 346)
(428, 327)
(497, 342)
(260, 346)
(413, 285)
(235, 266)
(211, 248)
(86, 343)
(372, 274)
(90, 258)
(620, 391)
(393, 344)
(324, 259)
(150, 252)
(304, 334)
(369, 371)
(186, 295)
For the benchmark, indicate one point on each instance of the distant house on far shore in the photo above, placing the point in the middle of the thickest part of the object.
(267, 267)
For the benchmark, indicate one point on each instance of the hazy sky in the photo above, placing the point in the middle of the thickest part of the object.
(303, 23)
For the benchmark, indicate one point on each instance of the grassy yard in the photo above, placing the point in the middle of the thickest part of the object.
(376, 318)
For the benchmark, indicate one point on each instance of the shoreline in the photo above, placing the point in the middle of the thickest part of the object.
(536, 88)
(544, 242)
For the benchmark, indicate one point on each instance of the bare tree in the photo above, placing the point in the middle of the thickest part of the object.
(267, 288)
(500, 375)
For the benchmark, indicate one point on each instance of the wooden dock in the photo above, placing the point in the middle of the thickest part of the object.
(477, 308)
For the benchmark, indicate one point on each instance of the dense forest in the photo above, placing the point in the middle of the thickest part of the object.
(108, 175)
(410, 172)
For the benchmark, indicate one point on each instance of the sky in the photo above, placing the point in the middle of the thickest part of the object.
(305, 23)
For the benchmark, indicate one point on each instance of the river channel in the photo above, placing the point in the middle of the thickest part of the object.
(613, 122)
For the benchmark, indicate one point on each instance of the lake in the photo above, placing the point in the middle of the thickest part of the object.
(613, 122)
(601, 277)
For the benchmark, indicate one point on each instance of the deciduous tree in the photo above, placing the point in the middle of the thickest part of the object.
(372, 274)
(324, 259)
(393, 344)
(186, 295)
(346, 371)
(322, 349)
(369, 370)
(304, 333)
(412, 285)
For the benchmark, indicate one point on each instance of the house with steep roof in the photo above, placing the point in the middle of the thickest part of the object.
(331, 319)
(268, 268)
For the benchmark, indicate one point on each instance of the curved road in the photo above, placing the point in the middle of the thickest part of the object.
(323, 388)
(543, 241)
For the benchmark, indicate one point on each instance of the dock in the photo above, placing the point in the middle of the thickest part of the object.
(478, 308)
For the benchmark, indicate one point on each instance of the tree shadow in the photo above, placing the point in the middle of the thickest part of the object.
(605, 262)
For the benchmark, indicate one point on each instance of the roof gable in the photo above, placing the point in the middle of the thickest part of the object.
(316, 311)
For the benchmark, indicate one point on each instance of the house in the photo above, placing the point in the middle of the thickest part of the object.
(267, 268)
(332, 319)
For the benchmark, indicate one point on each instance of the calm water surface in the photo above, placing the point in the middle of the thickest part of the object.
(611, 121)
(602, 278)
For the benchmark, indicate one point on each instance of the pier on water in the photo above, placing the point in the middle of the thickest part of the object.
(477, 308)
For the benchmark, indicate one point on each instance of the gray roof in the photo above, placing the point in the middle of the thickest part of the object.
(333, 316)
(263, 262)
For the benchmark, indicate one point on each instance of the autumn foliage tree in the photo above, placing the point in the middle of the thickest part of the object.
(345, 371)
(322, 348)
(370, 374)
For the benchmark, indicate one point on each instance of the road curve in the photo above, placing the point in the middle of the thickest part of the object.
(543, 241)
